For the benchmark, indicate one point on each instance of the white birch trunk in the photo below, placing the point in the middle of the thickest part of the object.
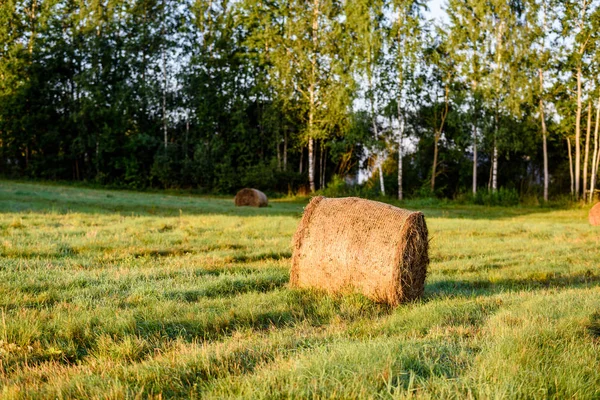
(379, 159)
(544, 134)
(474, 159)
(595, 158)
(571, 168)
(435, 157)
(495, 155)
(381, 184)
(495, 168)
(400, 150)
(587, 150)
(311, 164)
(578, 136)
(312, 95)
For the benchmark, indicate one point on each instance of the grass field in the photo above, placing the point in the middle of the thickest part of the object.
(110, 294)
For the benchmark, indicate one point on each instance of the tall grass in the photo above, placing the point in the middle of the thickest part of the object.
(125, 295)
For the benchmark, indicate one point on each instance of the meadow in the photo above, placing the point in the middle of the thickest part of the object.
(116, 294)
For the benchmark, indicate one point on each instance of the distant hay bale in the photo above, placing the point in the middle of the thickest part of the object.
(251, 197)
(376, 248)
(594, 216)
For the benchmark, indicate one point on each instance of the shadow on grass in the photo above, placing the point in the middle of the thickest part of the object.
(231, 288)
(481, 287)
(175, 251)
(21, 198)
(65, 252)
(594, 325)
(262, 257)
(298, 306)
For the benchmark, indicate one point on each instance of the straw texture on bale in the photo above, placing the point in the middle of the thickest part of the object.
(594, 216)
(251, 197)
(375, 248)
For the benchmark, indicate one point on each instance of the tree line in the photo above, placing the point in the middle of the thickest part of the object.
(285, 95)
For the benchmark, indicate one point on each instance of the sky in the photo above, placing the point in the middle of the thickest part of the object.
(437, 10)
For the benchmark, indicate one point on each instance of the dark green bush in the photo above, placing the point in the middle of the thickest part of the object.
(500, 197)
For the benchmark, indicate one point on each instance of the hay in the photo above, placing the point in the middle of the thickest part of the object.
(594, 215)
(373, 247)
(251, 197)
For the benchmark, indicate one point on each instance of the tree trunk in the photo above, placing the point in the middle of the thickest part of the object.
(376, 134)
(321, 165)
(578, 135)
(401, 49)
(315, 162)
(379, 157)
(312, 95)
(495, 156)
(595, 159)
(311, 164)
(32, 22)
(187, 134)
(495, 168)
(285, 140)
(325, 169)
(587, 150)
(544, 135)
(474, 108)
(301, 156)
(97, 154)
(400, 149)
(474, 158)
(380, 171)
(435, 157)
(438, 134)
(489, 186)
(164, 91)
(571, 168)
(278, 154)
(545, 150)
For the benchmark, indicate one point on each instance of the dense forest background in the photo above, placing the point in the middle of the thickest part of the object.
(295, 95)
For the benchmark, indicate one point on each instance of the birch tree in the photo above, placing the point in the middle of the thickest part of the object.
(467, 36)
(405, 45)
(576, 33)
(365, 20)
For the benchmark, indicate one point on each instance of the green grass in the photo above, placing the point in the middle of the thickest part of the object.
(113, 294)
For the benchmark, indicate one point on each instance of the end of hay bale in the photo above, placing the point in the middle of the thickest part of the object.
(251, 197)
(415, 258)
(375, 248)
(594, 215)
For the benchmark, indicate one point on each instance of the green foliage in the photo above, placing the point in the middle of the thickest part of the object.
(339, 188)
(214, 95)
(501, 197)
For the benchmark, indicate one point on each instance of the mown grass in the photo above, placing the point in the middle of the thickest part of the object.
(109, 294)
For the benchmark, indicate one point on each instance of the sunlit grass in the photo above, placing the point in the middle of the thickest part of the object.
(121, 295)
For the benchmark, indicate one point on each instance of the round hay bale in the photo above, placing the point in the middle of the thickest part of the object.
(251, 197)
(594, 215)
(376, 248)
